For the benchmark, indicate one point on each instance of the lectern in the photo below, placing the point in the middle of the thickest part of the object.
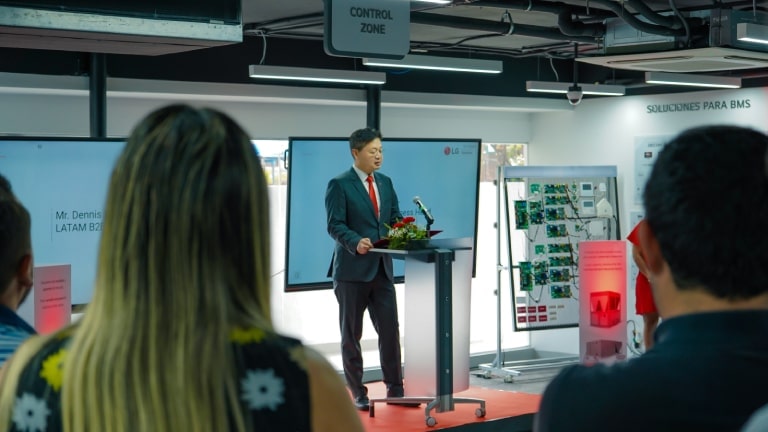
(436, 325)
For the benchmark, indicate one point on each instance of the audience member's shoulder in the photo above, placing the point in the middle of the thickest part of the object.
(571, 399)
(257, 336)
(44, 347)
(316, 361)
(758, 422)
(598, 378)
(590, 370)
(28, 352)
(332, 408)
(13, 332)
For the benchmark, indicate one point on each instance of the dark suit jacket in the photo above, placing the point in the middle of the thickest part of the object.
(350, 218)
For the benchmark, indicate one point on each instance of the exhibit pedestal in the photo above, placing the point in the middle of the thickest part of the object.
(603, 300)
(436, 326)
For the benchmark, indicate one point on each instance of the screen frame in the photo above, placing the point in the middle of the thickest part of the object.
(32, 139)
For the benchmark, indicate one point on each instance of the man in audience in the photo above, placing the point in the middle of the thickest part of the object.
(15, 270)
(706, 204)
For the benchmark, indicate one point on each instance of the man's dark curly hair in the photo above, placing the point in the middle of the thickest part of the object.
(706, 201)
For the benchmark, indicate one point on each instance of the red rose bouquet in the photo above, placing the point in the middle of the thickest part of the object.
(403, 232)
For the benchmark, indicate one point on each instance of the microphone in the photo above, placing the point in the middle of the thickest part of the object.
(424, 210)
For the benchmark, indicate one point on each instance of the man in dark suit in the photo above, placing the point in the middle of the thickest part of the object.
(358, 203)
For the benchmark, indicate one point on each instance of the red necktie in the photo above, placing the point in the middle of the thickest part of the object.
(372, 194)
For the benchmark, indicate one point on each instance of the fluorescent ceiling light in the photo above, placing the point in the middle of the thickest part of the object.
(587, 89)
(316, 75)
(453, 64)
(692, 80)
(750, 32)
(436, 1)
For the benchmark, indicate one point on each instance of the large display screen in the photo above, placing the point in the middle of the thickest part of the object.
(63, 183)
(444, 173)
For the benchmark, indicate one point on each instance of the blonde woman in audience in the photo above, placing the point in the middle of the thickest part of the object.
(178, 336)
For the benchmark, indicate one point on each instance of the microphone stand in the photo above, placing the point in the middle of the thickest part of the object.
(428, 217)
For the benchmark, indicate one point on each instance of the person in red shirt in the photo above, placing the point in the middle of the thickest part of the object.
(644, 304)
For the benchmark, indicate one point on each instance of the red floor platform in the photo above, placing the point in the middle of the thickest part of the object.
(501, 406)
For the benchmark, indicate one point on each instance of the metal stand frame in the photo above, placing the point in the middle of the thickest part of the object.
(438, 403)
(497, 369)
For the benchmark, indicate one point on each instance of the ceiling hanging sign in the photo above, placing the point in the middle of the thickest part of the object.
(367, 28)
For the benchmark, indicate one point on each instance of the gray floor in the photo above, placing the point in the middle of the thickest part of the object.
(535, 370)
(531, 381)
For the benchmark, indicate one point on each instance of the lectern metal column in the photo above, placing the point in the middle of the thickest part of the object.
(429, 314)
(444, 327)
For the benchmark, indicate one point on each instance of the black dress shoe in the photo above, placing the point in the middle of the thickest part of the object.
(395, 392)
(362, 403)
(398, 392)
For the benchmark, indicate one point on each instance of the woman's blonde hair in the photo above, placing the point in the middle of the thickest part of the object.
(183, 259)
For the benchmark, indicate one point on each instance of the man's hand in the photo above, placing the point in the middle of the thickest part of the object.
(637, 256)
(363, 246)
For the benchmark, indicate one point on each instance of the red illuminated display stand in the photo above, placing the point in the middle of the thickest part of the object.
(603, 287)
(605, 308)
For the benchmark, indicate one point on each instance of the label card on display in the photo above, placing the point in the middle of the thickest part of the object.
(48, 306)
(53, 297)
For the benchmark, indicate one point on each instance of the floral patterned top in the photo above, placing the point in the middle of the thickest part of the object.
(271, 375)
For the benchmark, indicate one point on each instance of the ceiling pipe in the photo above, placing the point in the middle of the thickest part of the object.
(569, 27)
(552, 7)
(670, 25)
(281, 23)
(672, 21)
(643, 9)
(643, 26)
(502, 28)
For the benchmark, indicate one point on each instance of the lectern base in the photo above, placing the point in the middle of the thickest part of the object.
(439, 404)
(436, 353)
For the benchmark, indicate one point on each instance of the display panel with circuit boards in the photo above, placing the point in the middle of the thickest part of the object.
(549, 211)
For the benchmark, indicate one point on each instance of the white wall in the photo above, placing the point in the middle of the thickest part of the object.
(597, 132)
(603, 132)
(44, 105)
(59, 106)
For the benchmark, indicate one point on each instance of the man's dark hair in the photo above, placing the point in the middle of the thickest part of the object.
(706, 201)
(361, 137)
(5, 187)
(15, 238)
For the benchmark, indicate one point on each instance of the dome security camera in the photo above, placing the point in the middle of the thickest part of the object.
(574, 95)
